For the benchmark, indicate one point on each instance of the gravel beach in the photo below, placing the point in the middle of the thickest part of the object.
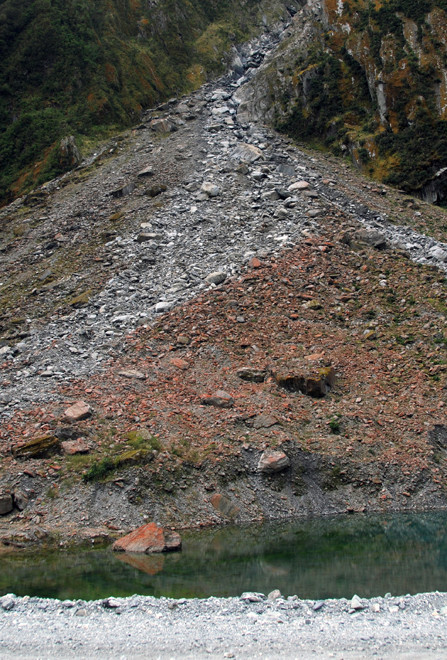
(251, 626)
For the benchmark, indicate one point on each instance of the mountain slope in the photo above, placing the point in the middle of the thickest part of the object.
(215, 296)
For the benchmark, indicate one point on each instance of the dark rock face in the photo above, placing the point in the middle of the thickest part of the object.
(6, 503)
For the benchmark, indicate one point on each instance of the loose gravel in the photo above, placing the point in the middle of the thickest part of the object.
(252, 626)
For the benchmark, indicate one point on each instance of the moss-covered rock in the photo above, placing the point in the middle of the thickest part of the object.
(38, 448)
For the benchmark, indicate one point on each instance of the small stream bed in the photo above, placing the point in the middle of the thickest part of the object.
(335, 557)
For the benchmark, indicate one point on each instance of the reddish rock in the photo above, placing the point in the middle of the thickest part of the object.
(78, 411)
(148, 539)
(72, 447)
(273, 461)
(179, 363)
(255, 263)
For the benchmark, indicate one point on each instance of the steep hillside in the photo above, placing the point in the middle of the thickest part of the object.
(79, 68)
(209, 324)
(368, 79)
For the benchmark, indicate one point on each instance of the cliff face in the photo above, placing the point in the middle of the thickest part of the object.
(80, 68)
(368, 80)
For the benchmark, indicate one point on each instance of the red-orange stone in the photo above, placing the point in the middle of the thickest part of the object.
(148, 539)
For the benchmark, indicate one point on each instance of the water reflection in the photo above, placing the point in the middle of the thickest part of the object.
(329, 557)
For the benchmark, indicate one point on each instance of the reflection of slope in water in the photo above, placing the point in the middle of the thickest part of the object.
(150, 564)
(270, 569)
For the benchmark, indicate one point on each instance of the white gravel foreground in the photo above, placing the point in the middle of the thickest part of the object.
(248, 627)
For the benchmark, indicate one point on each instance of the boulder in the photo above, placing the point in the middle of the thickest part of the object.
(316, 383)
(148, 539)
(38, 448)
(272, 461)
(251, 374)
(247, 153)
(78, 411)
(297, 186)
(210, 189)
(6, 503)
(216, 278)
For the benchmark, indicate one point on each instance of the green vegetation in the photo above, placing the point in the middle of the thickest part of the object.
(84, 68)
(393, 130)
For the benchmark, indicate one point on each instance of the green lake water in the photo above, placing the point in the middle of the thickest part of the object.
(320, 558)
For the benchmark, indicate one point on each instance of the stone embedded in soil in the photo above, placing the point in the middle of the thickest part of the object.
(216, 278)
(251, 374)
(224, 505)
(20, 500)
(246, 153)
(132, 373)
(264, 421)
(38, 448)
(78, 411)
(72, 447)
(272, 461)
(6, 503)
(148, 539)
(298, 185)
(219, 399)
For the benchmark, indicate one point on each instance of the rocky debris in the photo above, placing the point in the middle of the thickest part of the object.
(251, 374)
(6, 503)
(41, 447)
(149, 539)
(317, 384)
(292, 288)
(272, 461)
(77, 412)
(219, 399)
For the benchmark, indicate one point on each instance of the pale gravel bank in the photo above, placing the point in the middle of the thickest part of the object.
(251, 627)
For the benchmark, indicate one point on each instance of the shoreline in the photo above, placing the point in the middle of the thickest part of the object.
(252, 625)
